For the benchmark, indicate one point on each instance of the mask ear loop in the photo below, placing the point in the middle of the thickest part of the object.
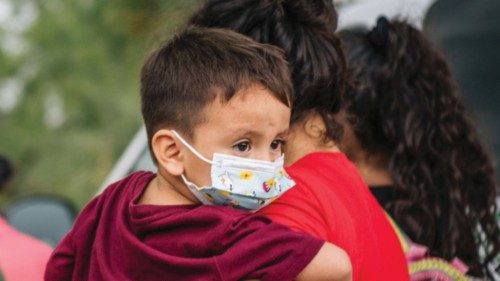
(192, 149)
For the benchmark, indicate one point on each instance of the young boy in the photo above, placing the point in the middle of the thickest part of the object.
(206, 94)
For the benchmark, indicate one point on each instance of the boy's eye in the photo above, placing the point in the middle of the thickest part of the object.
(276, 144)
(242, 146)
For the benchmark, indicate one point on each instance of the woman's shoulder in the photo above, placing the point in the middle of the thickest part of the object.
(332, 169)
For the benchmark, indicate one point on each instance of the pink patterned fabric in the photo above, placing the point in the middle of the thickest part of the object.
(423, 267)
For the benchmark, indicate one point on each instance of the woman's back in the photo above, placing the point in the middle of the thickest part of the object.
(331, 202)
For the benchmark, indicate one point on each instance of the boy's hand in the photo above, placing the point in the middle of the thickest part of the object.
(331, 263)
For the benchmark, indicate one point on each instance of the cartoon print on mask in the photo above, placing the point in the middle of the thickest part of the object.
(283, 174)
(233, 203)
(267, 185)
(209, 197)
(282, 177)
(278, 186)
(246, 175)
(226, 181)
(224, 193)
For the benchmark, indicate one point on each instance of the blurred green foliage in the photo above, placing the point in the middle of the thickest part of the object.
(87, 54)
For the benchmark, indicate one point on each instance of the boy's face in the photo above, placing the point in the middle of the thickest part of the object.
(252, 124)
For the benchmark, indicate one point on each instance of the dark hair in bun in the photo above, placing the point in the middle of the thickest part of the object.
(305, 30)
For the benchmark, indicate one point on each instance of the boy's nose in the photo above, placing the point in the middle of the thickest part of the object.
(265, 156)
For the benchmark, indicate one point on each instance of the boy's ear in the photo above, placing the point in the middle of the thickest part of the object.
(167, 152)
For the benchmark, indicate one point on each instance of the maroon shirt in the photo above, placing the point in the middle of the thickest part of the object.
(115, 239)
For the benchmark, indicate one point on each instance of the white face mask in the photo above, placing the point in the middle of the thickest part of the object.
(243, 183)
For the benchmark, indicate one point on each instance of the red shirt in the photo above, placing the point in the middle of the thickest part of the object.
(115, 239)
(332, 202)
(21, 256)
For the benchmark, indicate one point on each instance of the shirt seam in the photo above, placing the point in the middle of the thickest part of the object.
(218, 269)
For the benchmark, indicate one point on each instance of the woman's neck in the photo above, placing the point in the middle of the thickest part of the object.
(374, 170)
(292, 155)
(307, 137)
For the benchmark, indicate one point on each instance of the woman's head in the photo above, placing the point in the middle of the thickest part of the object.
(403, 104)
(305, 31)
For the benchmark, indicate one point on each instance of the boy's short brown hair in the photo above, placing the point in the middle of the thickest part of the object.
(189, 71)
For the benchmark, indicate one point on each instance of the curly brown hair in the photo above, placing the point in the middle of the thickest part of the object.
(404, 103)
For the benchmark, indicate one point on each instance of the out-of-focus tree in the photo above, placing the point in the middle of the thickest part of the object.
(69, 100)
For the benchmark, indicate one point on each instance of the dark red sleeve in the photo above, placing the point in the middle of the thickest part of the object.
(259, 249)
(64, 261)
(300, 210)
(61, 263)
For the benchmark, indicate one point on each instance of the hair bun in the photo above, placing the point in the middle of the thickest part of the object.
(379, 35)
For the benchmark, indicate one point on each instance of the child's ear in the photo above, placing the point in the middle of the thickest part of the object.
(167, 152)
(314, 126)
